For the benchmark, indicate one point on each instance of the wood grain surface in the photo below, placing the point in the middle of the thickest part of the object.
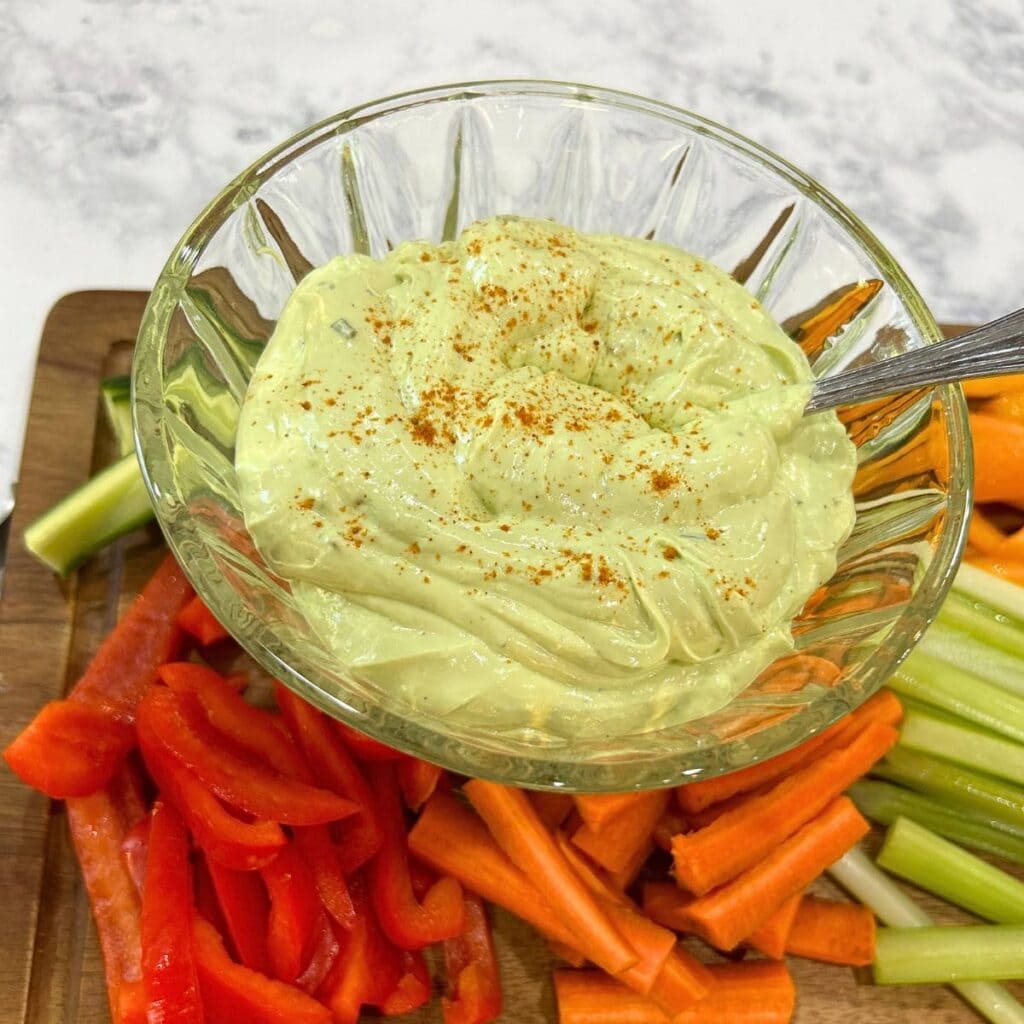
(49, 964)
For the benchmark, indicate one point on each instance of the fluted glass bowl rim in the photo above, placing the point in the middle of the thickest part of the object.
(548, 770)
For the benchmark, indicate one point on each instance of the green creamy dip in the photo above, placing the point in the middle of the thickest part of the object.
(533, 478)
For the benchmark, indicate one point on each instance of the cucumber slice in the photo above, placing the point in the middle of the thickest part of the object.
(112, 503)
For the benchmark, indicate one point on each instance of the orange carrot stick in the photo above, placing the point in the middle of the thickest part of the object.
(883, 706)
(1003, 567)
(671, 824)
(521, 834)
(834, 932)
(1012, 545)
(598, 809)
(771, 937)
(737, 909)
(998, 456)
(618, 843)
(989, 387)
(667, 904)
(626, 875)
(760, 992)
(984, 535)
(552, 808)
(1009, 404)
(742, 837)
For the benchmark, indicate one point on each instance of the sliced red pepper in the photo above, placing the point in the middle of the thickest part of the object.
(408, 923)
(471, 966)
(168, 960)
(237, 844)
(358, 838)
(206, 903)
(249, 728)
(294, 909)
(233, 993)
(245, 907)
(199, 622)
(98, 831)
(178, 729)
(366, 748)
(69, 749)
(368, 969)
(321, 855)
(413, 988)
(326, 948)
(418, 779)
(134, 849)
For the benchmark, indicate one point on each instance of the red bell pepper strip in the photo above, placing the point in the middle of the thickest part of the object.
(471, 965)
(69, 749)
(168, 961)
(360, 837)
(294, 909)
(198, 621)
(326, 948)
(366, 748)
(179, 730)
(408, 923)
(233, 993)
(249, 728)
(98, 831)
(368, 969)
(224, 838)
(245, 907)
(413, 988)
(418, 779)
(206, 903)
(321, 856)
(134, 850)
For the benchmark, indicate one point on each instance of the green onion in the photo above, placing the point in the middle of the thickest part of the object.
(884, 803)
(942, 868)
(963, 744)
(962, 693)
(921, 956)
(855, 873)
(980, 796)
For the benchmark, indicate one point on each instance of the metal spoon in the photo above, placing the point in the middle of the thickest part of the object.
(988, 351)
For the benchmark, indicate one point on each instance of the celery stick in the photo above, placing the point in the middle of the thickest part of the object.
(884, 803)
(964, 744)
(975, 656)
(116, 395)
(999, 595)
(962, 693)
(942, 868)
(983, 622)
(980, 796)
(855, 873)
(922, 956)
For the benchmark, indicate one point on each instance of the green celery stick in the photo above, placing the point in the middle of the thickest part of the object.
(855, 873)
(962, 693)
(884, 803)
(957, 648)
(997, 595)
(942, 868)
(964, 744)
(978, 619)
(922, 956)
(981, 796)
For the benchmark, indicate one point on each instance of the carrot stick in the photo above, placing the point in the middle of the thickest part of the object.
(757, 992)
(1006, 568)
(617, 844)
(573, 957)
(834, 932)
(671, 824)
(989, 387)
(1009, 404)
(667, 904)
(771, 937)
(683, 981)
(591, 997)
(998, 456)
(626, 875)
(760, 992)
(1013, 545)
(742, 837)
(521, 834)
(884, 706)
(984, 535)
(727, 915)
(598, 809)
(552, 808)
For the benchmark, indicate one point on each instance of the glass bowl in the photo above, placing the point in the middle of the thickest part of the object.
(424, 165)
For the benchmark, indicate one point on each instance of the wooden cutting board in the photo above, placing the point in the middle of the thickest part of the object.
(50, 969)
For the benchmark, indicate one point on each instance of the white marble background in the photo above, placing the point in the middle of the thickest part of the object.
(119, 118)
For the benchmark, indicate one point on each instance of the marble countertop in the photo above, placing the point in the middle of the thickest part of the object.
(121, 117)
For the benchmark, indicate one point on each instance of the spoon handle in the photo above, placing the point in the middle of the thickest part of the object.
(988, 351)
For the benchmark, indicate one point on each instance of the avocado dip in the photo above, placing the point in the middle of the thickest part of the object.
(532, 478)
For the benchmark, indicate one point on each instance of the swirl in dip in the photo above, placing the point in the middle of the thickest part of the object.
(538, 478)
